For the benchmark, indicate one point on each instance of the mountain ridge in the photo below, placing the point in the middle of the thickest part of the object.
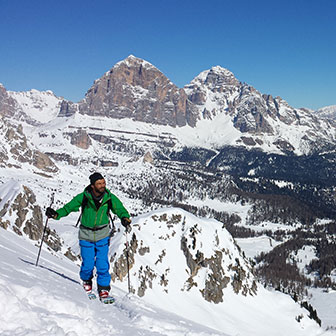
(135, 89)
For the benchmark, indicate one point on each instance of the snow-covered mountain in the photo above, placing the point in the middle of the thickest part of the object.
(237, 113)
(34, 107)
(262, 121)
(327, 112)
(18, 151)
(40, 106)
(182, 263)
(217, 148)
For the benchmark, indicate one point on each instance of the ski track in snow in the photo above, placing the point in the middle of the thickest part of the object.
(49, 300)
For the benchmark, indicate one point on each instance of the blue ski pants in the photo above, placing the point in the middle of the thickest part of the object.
(95, 254)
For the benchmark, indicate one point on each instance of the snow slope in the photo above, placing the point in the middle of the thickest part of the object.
(263, 313)
(49, 300)
(41, 106)
(328, 112)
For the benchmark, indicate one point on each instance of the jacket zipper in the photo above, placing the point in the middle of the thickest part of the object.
(101, 216)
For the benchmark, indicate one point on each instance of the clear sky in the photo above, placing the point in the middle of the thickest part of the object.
(285, 48)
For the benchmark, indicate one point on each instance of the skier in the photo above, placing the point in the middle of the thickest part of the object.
(94, 232)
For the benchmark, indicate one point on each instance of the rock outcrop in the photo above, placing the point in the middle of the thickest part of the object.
(8, 105)
(20, 213)
(80, 139)
(188, 257)
(136, 89)
(19, 150)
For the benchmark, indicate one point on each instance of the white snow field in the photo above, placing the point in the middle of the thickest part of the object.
(49, 300)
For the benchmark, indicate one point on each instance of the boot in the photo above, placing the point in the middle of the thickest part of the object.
(105, 297)
(87, 285)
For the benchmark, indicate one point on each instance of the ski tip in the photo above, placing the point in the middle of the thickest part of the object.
(92, 296)
(108, 300)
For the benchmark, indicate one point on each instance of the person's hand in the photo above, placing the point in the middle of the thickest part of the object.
(126, 222)
(51, 213)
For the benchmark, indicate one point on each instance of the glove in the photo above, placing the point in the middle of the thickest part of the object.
(51, 213)
(126, 222)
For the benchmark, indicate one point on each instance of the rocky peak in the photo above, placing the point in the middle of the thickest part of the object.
(132, 61)
(216, 78)
(135, 89)
(67, 109)
(8, 105)
(213, 91)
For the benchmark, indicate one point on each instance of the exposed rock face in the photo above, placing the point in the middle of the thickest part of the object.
(251, 112)
(22, 215)
(80, 139)
(19, 150)
(67, 109)
(136, 89)
(8, 105)
(148, 158)
(28, 216)
(125, 261)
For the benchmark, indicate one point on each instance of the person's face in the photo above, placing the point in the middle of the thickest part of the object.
(99, 186)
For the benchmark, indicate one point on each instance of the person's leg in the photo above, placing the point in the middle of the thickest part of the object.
(102, 264)
(87, 250)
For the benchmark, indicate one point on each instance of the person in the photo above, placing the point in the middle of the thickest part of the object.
(94, 231)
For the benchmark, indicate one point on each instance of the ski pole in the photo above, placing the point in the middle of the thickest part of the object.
(44, 231)
(127, 261)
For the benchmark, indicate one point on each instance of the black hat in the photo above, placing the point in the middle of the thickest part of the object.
(94, 177)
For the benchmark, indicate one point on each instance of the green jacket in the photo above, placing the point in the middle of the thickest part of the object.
(93, 218)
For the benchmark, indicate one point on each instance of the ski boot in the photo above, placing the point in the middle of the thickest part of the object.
(105, 297)
(87, 285)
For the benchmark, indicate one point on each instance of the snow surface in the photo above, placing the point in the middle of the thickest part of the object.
(253, 246)
(41, 106)
(49, 300)
(324, 302)
(328, 112)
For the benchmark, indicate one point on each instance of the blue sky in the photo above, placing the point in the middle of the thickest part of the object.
(284, 48)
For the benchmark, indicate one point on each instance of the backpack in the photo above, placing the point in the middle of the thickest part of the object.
(109, 208)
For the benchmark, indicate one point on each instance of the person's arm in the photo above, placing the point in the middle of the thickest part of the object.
(72, 206)
(118, 208)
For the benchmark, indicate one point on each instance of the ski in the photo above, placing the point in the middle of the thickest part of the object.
(107, 300)
(91, 296)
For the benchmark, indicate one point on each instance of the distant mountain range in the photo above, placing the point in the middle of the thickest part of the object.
(235, 112)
